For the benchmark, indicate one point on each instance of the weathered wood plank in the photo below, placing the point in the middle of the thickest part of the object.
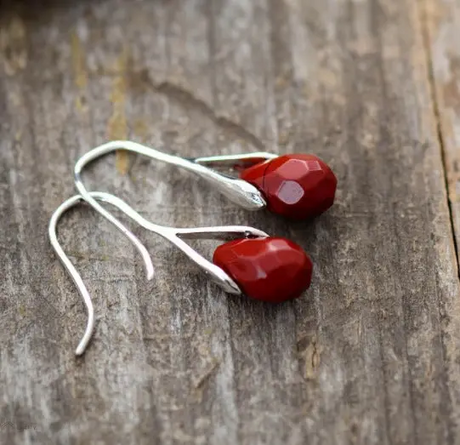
(368, 356)
(443, 34)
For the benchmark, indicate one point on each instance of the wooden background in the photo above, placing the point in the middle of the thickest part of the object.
(371, 353)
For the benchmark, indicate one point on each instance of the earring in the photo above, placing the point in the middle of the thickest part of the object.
(250, 262)
(297, 186)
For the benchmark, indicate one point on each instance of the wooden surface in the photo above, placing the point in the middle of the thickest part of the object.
(370, 355)
(443, 35)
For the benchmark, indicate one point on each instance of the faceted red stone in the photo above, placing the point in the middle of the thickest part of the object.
(267, 269)
(298, 186)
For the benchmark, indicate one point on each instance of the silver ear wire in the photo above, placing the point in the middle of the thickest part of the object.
(174, 235)
(233, 161)
(52, 233)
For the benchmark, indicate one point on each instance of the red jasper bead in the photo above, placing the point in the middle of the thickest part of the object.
(267, 269)
(298, 186)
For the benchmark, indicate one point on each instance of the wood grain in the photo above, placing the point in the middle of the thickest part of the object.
(442, 36)
(370, 354)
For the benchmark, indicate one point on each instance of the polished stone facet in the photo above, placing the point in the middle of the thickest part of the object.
(267, 269)
(298, 186)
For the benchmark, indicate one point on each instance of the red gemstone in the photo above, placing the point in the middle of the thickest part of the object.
(267, 269)
(298, 186)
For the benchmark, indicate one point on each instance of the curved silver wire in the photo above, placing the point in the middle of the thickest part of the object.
(237, 190)
(83, 291)
(174, 235)
(233, 161)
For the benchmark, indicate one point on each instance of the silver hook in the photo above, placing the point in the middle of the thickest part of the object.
(237, 190)
(174, 235)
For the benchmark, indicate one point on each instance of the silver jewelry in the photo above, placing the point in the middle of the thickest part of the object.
(172, 234)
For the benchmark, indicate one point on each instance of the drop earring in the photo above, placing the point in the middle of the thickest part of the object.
(297, 186)
(250, 262)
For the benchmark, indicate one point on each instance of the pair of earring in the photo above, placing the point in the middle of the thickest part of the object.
(250, 262)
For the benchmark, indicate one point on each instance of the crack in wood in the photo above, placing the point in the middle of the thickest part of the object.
(189, 101)
(427, 39)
